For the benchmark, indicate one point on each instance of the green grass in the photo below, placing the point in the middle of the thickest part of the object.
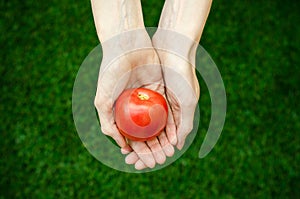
(256, 47)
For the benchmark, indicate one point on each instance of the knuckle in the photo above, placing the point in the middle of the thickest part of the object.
(188, 129)
(106, 131)
(97, 102)
(144, 149)
(185, 131)
(163, 142)
(102, 105)
(152, 144)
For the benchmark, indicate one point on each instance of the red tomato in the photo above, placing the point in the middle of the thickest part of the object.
(141, 114)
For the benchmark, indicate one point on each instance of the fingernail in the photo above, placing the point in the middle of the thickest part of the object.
(125, 150)
(160, 158)
(139, 165)
(180, 146)
(174, 141)
(151, 163)
(169, 150)
(128, 160)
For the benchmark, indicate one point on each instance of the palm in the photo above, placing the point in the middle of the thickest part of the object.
(183, 96)
(136, 69)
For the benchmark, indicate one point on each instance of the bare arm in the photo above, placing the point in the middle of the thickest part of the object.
(176, 41)
(187, 17)
(126, 47)
(116, 16)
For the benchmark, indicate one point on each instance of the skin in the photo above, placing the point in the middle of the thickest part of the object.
(177, 16)
(115, 17)
(126, 67)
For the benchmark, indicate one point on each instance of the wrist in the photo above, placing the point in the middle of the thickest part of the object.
(128, 41)
(175, 43)
(189, 32)
(110, 33)
(125, 43)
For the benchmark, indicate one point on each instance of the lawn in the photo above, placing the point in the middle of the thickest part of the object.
(256, 46)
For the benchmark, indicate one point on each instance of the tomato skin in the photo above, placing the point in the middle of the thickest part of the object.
(141, 114)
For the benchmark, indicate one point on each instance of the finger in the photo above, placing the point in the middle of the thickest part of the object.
(125, 150)
(180, 144)
(186, 124)
(183, 131)
(171, 128)
(157, 151)
(132, 158)
(108, 126)
(113, 132)
(104, 106)
(139, 165)
(143, 152)
(165, 144)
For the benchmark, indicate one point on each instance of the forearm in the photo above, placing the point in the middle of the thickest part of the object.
(116, 16)
(187, 17)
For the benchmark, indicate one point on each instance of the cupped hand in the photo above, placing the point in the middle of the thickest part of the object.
(177, 57)
(129, 61)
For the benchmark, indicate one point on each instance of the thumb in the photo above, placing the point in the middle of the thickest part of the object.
(112, 131)
(185, 126)
(183, 132)
(107, 122)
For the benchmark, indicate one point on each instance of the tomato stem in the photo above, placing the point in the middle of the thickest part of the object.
(143, 96)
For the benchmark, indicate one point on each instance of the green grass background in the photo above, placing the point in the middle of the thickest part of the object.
(256, 47)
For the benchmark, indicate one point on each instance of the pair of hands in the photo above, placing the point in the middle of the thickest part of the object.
(132, 59)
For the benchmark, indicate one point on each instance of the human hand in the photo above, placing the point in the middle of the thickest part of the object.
(176, 40)
(182, 89)
(129, 61)
(117, 75)
(177, 57)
